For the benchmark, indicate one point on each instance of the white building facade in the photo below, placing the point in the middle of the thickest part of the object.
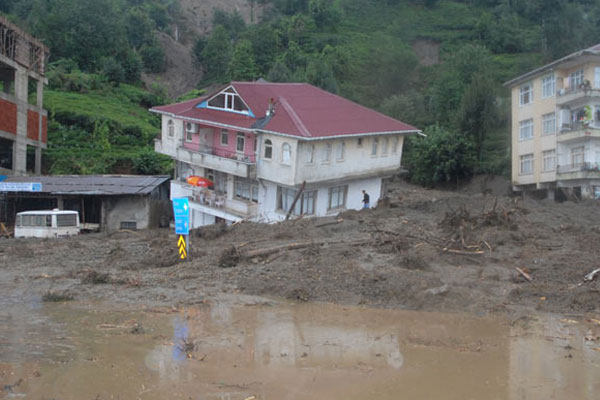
(306, 141)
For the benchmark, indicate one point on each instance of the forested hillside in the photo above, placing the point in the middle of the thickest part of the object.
(436, 64)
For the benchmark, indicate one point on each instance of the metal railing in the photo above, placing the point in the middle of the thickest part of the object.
(224, 153)
(586, 166)
(578, 126)
(585, 89)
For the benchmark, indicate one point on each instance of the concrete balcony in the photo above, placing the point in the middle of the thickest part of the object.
(576, 96)
(203, 157)
(214, 203)
(578, 171)
(578, 130)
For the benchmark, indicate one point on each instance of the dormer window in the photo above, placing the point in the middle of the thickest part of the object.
(228, 100)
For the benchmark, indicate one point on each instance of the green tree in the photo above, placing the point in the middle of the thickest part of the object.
(279, 72)
(409, 107)
(320, 74)
(139, 27)
(241, 66)
(153, 57)
(326, 13)
(440, 157)
(478, 113)
(232, 22)
(216, 55)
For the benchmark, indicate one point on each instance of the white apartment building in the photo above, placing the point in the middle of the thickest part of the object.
(556, 126)
(256, 145)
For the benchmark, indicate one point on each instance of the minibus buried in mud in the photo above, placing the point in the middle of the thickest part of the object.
(47, 224)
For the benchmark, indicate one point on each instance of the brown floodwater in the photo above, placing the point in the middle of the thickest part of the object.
(75, 351)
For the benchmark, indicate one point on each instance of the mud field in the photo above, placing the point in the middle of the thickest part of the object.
(421, 249)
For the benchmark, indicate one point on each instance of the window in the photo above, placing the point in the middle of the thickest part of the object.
(286, 154)
(228, 100)
(268, 149)
(310, 153)
(395, 144)
(285, 198)
(359, 142)
(224, 137)
(549, 160)
(375, 147)
(305, 204)
(575, 79)
(246, 189)
(548, 86)
(66, 220)
(526, 94)
(241, 142)
(188, 136)
(577, 156)
(526, 164)
(340, 150)
(326, 153)
(384, 146)
(526, 129)
(171, 128)
(337, 197)
(548, 124)
(130, 225)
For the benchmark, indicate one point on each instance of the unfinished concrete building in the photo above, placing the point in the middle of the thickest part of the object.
(23, 121)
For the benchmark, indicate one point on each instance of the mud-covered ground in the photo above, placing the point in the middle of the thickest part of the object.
(423, 249)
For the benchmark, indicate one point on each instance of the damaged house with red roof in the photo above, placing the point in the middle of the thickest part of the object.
(258, 151)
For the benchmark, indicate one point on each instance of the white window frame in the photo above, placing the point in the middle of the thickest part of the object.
(395, 144)
(340, 151)
(286, 154)
(526, 129)
(337, 197)
(549, 160)
(304, 206)
(171, 128)
(268, 149)
(577, 156)
(240, 138)
(224, 135)
(374, 147)
(548, 86)
(246, 190)
(526, 164)
(385, 143)
(549, 124)
(526, 94)
(576, 79)
(326, 153)
(310, 153)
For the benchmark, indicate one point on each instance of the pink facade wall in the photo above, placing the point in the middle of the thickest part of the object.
(220, 150)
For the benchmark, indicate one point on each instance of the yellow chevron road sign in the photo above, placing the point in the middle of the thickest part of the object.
(182, 247)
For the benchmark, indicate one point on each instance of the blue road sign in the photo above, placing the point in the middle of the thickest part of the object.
(181, 210)
(2, 177)
(20, 187)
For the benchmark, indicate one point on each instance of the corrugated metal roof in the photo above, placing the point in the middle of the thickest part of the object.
(301, 110)
(102, 185)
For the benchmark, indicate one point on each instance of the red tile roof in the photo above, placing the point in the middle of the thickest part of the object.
(300, 110)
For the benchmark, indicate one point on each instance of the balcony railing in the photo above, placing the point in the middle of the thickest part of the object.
(214, 199)
(586, 166)
(215, 151)
(566, 95)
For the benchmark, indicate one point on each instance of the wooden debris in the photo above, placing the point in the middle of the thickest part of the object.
(326, 223)
(524, 274)
(463, 252)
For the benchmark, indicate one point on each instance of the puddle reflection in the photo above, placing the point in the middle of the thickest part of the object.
(309, 351)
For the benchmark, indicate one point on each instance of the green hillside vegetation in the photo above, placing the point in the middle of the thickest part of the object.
(360, 49)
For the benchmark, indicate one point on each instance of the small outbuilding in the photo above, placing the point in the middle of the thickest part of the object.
(104, 202)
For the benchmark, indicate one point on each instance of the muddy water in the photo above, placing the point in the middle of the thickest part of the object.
(218, 351)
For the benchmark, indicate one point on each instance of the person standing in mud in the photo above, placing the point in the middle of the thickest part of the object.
(366, 200)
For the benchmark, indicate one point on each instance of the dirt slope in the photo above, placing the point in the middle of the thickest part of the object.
(392, 256)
